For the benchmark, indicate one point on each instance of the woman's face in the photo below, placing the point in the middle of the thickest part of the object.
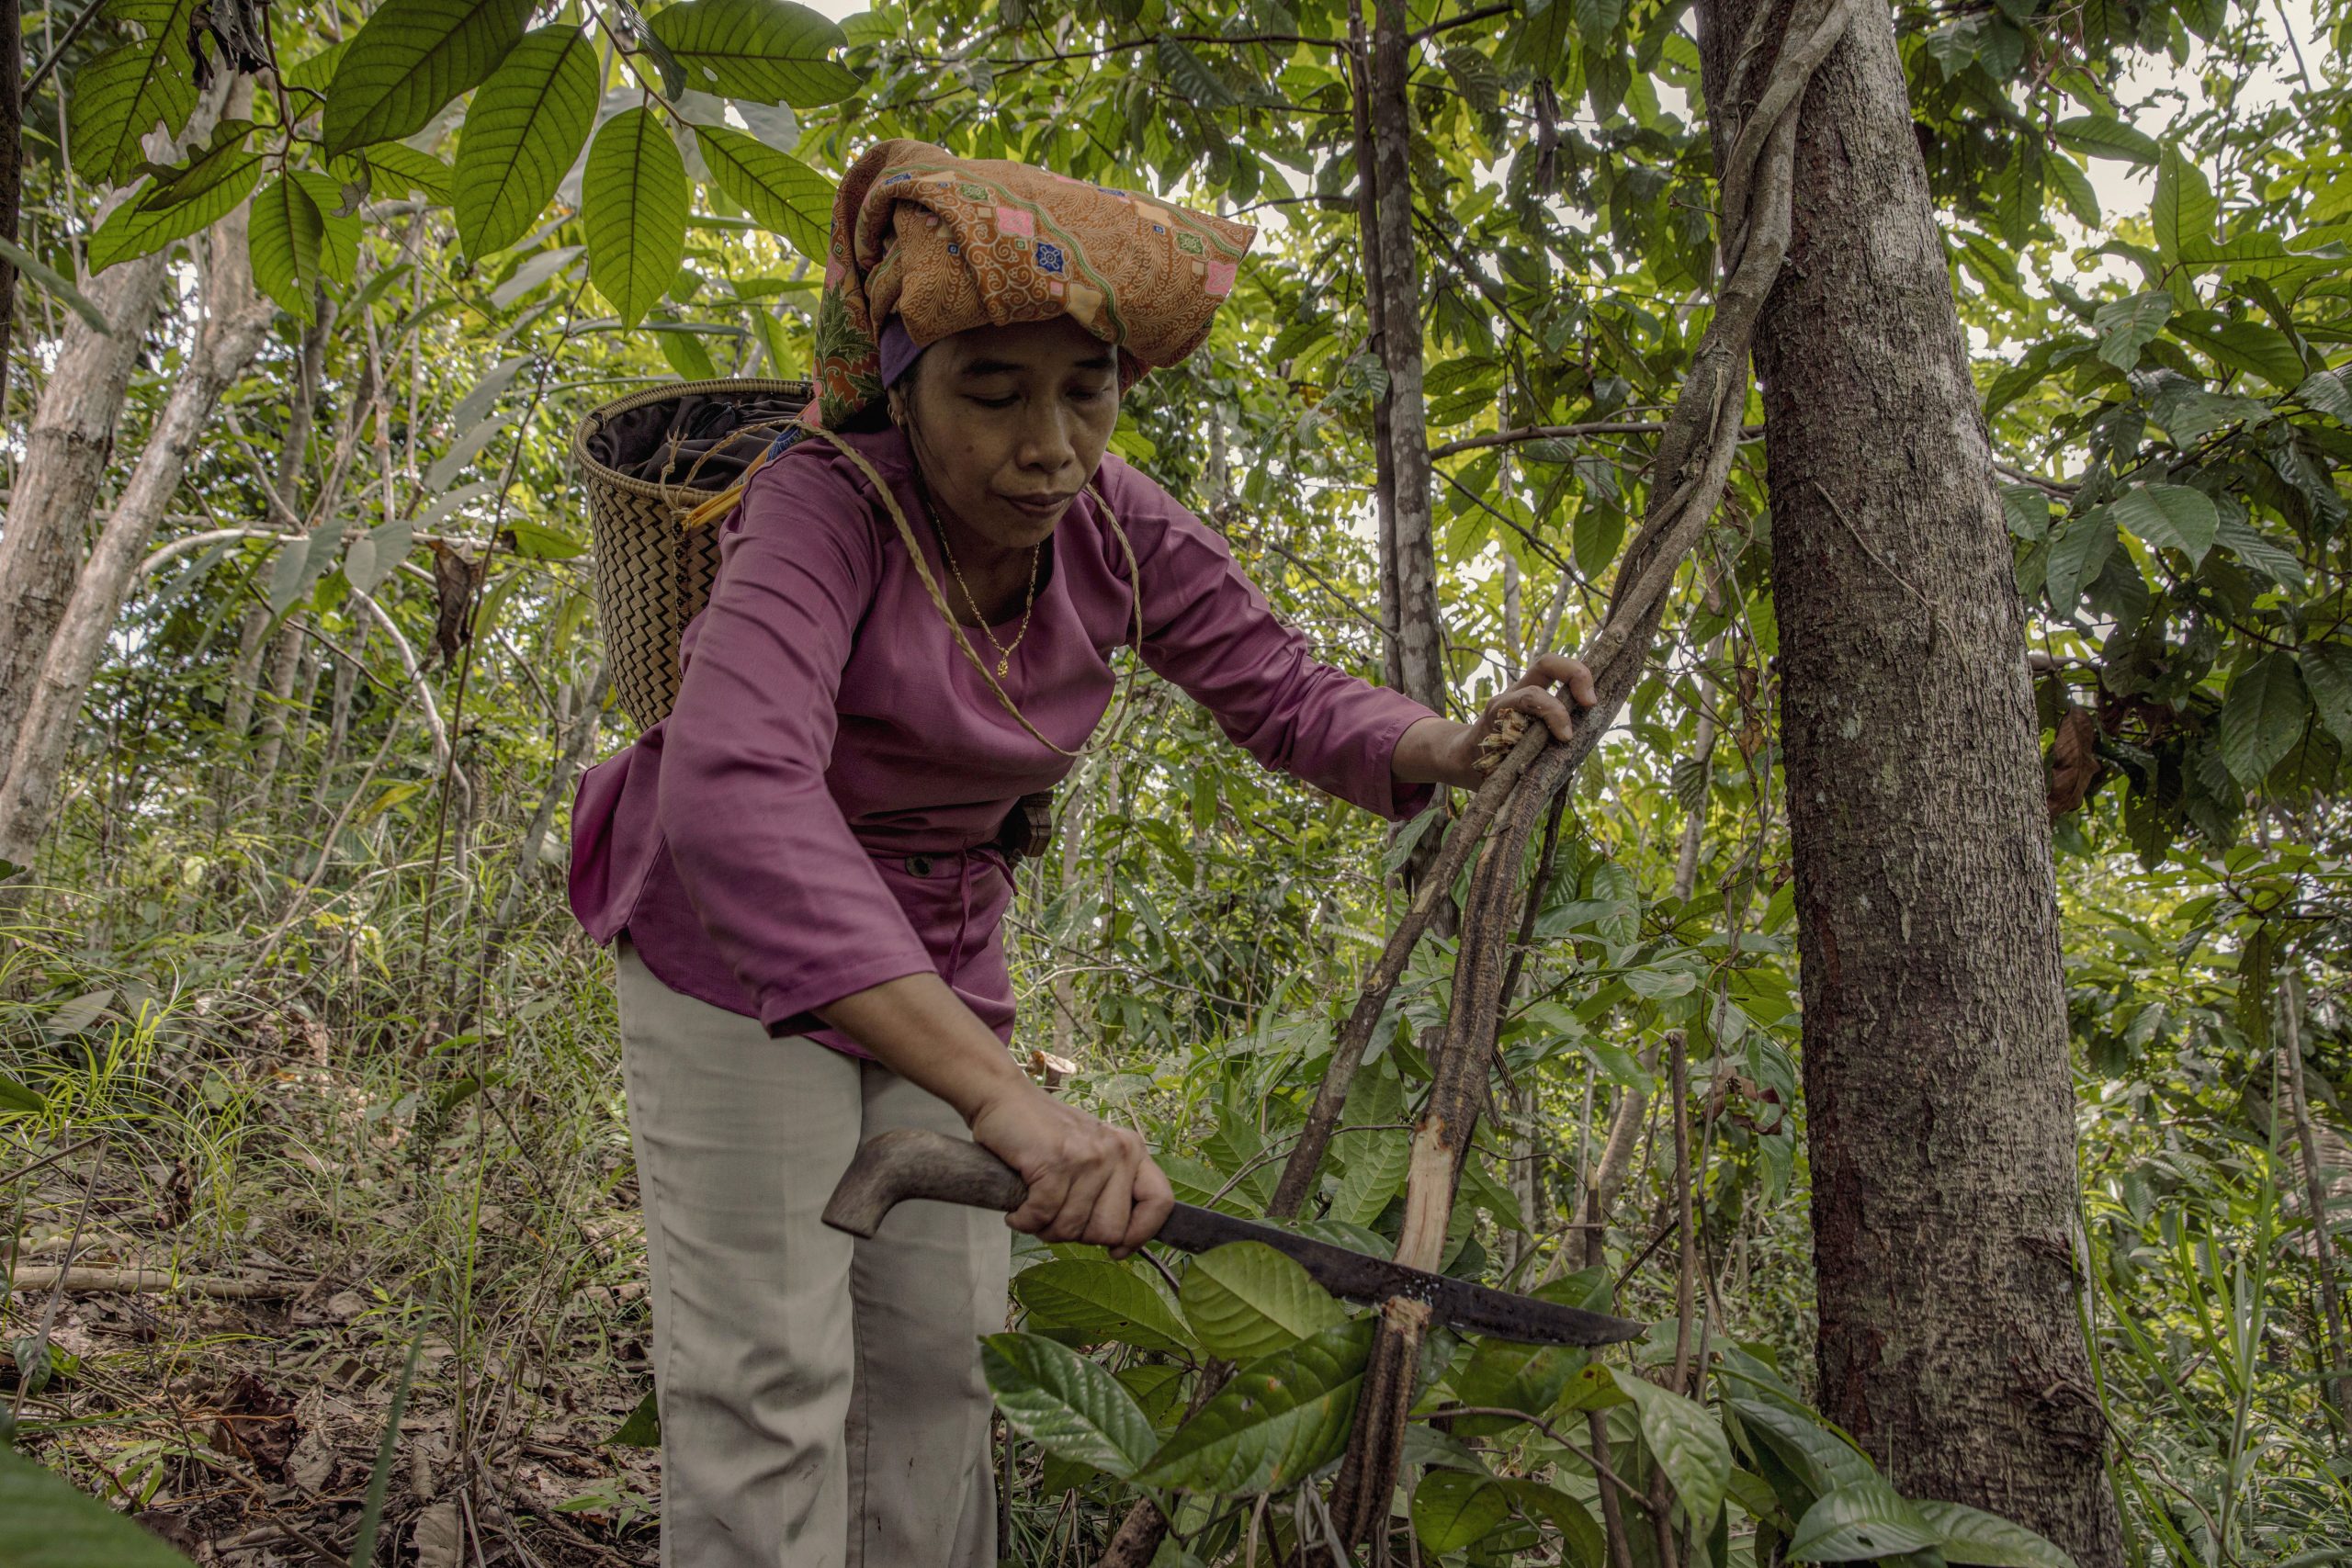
(1010, 422)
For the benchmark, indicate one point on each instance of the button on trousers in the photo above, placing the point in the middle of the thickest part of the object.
(820, 1397)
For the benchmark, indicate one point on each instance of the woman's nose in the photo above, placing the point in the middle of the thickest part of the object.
(1048, 442)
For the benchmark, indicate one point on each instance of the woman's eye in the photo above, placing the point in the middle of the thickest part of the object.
(1003, 403)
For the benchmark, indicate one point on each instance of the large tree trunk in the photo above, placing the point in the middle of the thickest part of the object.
(12, 168)
(1937, 1082)
(235, 319)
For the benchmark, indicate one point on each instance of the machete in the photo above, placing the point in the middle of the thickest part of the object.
(910, 1163)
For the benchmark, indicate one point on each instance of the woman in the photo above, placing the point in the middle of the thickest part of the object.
(910, 629)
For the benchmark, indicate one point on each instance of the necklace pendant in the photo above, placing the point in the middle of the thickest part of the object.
(1004, 667)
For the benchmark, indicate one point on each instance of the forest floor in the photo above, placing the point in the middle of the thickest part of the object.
(326, 1197)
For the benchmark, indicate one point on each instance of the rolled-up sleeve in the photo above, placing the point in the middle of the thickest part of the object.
(1208, 628)
(786, 893)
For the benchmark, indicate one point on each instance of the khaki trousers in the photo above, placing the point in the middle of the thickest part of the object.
(820, 1397)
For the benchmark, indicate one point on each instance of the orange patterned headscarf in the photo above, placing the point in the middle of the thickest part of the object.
(948, 244)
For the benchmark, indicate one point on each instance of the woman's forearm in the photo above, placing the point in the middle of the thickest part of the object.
(1432, 751)
(921, 1030)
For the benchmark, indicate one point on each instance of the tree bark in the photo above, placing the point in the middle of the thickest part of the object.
(1417, 660)
(235, 319)
(66, 453)
(12, 168)
(1936, 1066)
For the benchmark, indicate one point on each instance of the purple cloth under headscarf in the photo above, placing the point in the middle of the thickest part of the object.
(898, 351)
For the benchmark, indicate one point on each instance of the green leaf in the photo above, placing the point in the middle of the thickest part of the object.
(2275, 561)
(1972, 1536)
(1597, 19)
(523, 132)
(686, 353)
(2185, 208)
(769, 51)
(1454, 1509)
(1582, 1543)
(14, 1096)
(46, 1522)
(409, 60)
(115, 100)
(2126, 326)
(220, 160)
(2263, 351)
(2074, 188)
(339, 244)
(412, 169)
(128, 233)
(783, 194)
(283, 238)
(634, 212)
(1689, 1446)
(2172, 517)
(1100, 1299)
(1245, 1300)
(643, 1427)
(469, 445)
(377, 554)
(2025, 510)
(1275, 1421)
(1860, 1522)
(2102, 135)
(1376, 1166)
(2076, 556)
(2327, 675)
(1821, 1460)
(2262, 718)
(2329, 392)
(30, 266)
(1192, 78)
(1060, 1399)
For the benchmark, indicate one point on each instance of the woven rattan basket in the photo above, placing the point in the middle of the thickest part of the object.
(653, 574)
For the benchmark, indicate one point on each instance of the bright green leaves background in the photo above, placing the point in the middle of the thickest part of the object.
(522, 132)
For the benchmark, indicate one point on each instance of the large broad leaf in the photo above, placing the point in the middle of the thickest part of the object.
(1454, 1509)
(2253, 347)
(1860, 1522)
(1246, 1300)
(285, 236)
(770, 50)
(524, 131)
(1690, 1445)
(1100, 1299)
(1377, 1165)
(219, 161)
(2127, 326)
(339, 242)
(129, 232)
(397, 168)
(2077, 555)
(127, 92)
(1821, 1460)
(784, 194)
(635, 201)
(1275, 1420)
(2184, 209)
(1060, 1399)
(1972, 1536)
(2102, 135)
(2250, 545)
(409, 60)
(46, 1523)
(2262, 718)
(2172, 517)
(1582, 1543)
(2327, 675)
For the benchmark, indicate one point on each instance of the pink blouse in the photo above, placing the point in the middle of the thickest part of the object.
(814, 817)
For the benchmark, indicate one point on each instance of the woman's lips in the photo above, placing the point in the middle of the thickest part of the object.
(1039, 507)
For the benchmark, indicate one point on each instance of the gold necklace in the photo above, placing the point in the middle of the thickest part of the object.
(1004, 650)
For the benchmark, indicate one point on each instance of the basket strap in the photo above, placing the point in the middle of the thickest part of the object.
(963, 639)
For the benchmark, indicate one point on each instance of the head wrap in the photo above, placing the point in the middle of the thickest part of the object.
(938, 244)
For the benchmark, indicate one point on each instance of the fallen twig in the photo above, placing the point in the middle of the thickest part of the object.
(86, 1282)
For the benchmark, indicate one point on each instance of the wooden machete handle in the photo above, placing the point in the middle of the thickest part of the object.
(893, 1166)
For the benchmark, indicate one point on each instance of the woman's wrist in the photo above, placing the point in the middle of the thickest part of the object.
(1435, 751)
(921, 1030)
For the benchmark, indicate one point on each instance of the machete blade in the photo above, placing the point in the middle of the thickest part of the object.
(1458, 1304)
